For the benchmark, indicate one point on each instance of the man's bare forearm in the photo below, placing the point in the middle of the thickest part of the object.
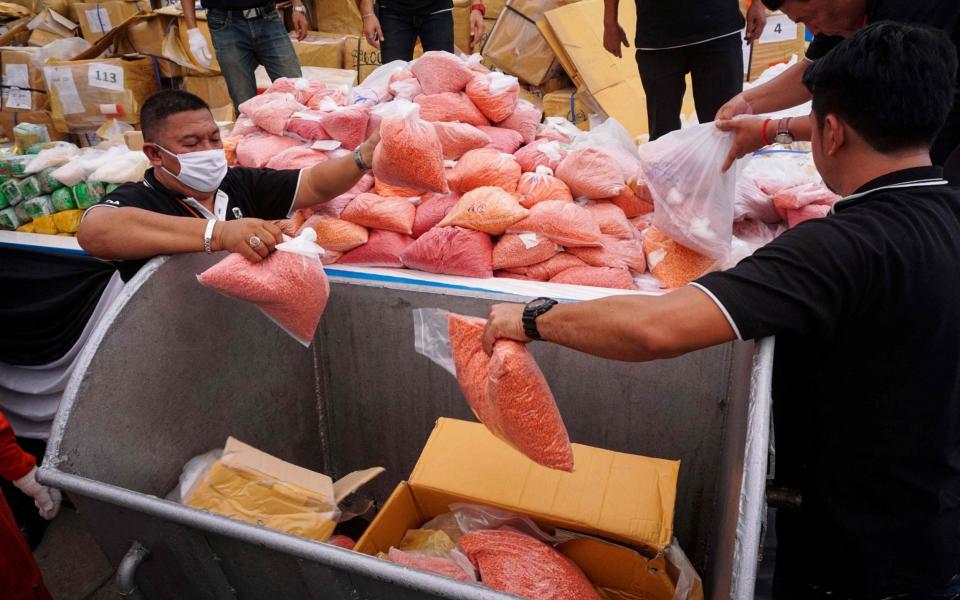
(132, 233)
(784, 91)
(189, 13)
(327, 180)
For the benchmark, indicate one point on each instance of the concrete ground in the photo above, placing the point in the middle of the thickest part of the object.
(73, 566)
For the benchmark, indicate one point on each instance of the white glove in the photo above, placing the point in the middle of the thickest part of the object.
(199, 48)
(47, 499)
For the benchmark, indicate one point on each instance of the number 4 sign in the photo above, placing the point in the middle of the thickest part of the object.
(105, 76)
(779, 29)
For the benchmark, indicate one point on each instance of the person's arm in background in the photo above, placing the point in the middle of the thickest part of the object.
(127, 233)
(756, 19)
(325, 181)
(477, 12)
(371, 23)
(613, 35)
(20, 468)
(628, 328)
(783, 92)
(198, 44)
(299, 19)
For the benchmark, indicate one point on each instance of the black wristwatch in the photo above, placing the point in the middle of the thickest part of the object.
(531, 311)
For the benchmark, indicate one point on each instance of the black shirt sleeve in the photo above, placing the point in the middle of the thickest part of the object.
(271, 192)
(803, 283)
(821, 45)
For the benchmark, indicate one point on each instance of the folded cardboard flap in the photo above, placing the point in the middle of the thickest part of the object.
(612, 567)
(621, 497)
(53, 22)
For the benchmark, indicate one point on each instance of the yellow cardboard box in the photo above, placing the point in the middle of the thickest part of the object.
(98, 19)
(336, 16)
(623, 498)
(213, 90)
(516, 46)
(320, 49)
(571, 104)
(10, 119)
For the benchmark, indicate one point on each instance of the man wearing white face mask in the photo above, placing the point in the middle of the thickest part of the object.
(190, 201)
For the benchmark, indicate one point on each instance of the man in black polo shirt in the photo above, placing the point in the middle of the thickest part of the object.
(191, 202)
(865, 304)
(676, 37)
(831, 21)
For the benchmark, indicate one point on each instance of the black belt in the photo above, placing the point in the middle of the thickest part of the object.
(249, 14)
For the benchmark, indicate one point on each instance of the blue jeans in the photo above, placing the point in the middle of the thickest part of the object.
(243, 44)
(401, 30)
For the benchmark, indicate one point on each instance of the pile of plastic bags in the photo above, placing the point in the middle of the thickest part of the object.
(469, 181)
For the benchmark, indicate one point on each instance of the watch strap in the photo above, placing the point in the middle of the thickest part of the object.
(358, 160)
(531, 311)
(208, 236)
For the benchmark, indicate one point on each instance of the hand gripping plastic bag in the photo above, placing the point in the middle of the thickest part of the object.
(522, 250)
(485, 167)
(292, 225)
(377, 212)
(289, 286)
(383, 249)
(525, 120)
(541, 153)
(693, 199)
(671, 262)
(504, 140)
(495, 94)
(459, 138)
(548, 269)
(336, 234)
(566, 223)
(450, 106)
(604, 277)
(541, 185)
(616, 253)
(440, 72)
(346, 124)
(451, 251)
(506, 390)
(516, 563)
(431, 210)
(409, 153)
(488, 209)
(591, 173)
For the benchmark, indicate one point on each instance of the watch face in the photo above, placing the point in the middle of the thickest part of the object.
(535, 304)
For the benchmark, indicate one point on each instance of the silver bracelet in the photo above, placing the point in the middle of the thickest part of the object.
(358, 160)
(208, 236)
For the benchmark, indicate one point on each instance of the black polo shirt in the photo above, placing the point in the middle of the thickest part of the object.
(939, 14)
(663, 24)
(260, 193)
(865, 305)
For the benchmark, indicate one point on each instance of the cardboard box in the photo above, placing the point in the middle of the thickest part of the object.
(623, 498)
(361, 57)
(10, 119)
(213, 90)
(85, 93)
(336, 16)
(575, 33)
(49, 26)
(781, 39)
(98, 19)
(24, 88)
(321, 49)
(15, 33)
(250, 485)
(571, 104)
(516, 46)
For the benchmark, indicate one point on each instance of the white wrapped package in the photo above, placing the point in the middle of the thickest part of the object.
(128, 167)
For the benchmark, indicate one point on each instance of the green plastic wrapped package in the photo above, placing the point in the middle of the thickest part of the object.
(4, 177)
(26, 135)
(47, 182)
(22, 214)
(11, 190)
(63, 200)
(40, 206)
(30, 187)
(4, 203)
(87, 194)
(9, 219)
(18, 165)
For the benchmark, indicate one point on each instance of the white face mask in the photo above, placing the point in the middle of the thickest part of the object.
(202, 171)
